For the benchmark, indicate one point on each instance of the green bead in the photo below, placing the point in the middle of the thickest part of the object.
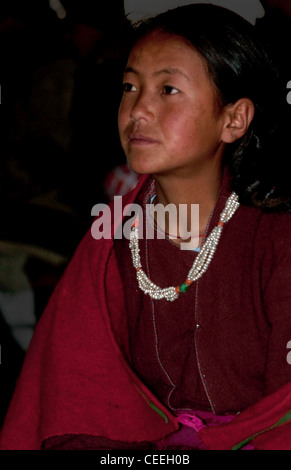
(184, 287)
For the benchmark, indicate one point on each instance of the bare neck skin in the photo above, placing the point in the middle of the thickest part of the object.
(201, 189)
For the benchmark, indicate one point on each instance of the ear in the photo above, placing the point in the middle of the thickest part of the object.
(238, 117)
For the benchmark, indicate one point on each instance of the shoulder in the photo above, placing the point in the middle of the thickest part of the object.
(262, 237)
(269, 236)
(275, 226)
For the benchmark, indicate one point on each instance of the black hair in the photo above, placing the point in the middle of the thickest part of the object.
(240, 66)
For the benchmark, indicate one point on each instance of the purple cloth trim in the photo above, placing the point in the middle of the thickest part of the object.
(187, 437)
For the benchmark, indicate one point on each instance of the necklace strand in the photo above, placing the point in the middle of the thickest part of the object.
(199, 266)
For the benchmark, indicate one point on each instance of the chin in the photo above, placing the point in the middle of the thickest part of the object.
(140, 171)
(140, 167)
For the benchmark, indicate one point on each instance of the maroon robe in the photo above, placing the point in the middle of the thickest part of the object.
(79, 379)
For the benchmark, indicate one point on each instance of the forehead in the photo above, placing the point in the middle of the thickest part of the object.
(160, 49)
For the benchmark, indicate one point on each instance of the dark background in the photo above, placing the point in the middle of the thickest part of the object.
(60, 77)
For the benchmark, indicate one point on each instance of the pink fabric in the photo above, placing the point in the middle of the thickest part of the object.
(191, 420)
(187, 437)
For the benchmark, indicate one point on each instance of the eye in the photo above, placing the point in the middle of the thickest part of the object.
(128, 87)
(170, 90)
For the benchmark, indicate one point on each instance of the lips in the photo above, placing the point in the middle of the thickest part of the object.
(141, 139)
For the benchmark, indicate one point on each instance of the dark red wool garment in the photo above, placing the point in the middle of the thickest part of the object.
(77, 377)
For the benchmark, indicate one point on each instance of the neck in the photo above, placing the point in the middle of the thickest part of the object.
(202, 189)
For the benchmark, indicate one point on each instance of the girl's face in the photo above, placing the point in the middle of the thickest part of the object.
(169, 118)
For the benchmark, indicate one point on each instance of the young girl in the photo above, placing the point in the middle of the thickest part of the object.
(145, 345)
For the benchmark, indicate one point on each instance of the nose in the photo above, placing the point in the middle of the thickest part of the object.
(143, 107)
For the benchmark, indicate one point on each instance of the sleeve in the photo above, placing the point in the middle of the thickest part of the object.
(277, 304)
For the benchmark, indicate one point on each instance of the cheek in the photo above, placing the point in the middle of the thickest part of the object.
(182, 129)
(174, 121)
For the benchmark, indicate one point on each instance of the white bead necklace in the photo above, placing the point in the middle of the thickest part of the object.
(199, 266)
